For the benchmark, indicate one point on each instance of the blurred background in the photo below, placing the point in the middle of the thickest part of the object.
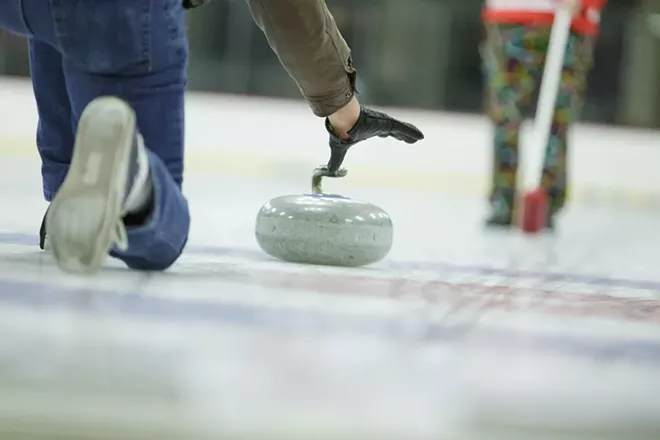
(498, 321)
(415, 53)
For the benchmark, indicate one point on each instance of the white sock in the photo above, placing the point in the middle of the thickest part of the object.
(142, 191)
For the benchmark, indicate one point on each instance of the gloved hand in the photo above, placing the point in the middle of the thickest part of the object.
(190, 4)
(370, 124)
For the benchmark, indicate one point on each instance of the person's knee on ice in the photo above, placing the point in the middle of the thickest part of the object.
(147, 70)
(118, 198)
(156, 218)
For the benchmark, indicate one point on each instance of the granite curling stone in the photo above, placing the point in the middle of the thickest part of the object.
(324, 229)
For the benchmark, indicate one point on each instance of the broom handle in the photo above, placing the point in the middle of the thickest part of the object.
(552, 73)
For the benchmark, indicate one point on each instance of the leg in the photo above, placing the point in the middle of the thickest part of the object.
(569, 103)
(55, 133)
(146, 68)
(510, 87)
(32, 18)
(11, 18)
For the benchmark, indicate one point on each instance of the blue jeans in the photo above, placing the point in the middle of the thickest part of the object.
(134, 49)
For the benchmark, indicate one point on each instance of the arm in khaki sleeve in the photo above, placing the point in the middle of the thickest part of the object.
(305, 38)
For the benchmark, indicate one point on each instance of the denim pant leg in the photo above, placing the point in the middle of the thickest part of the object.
(137, 51)
(157, 244)
(12, 18)
(55, 133)
(33, 18)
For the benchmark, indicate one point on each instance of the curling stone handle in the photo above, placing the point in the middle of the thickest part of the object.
(322, 171)
(317, 186)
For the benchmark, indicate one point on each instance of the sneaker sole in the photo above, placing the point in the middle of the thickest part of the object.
(83, 216)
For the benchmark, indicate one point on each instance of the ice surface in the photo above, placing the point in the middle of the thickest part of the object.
(459, 334)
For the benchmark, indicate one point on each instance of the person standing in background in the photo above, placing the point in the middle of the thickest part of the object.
(517, 40)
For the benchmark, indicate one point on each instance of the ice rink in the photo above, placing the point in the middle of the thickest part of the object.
(461, 333)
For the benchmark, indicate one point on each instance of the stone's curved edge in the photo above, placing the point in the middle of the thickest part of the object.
(343, 257)
(324, 230)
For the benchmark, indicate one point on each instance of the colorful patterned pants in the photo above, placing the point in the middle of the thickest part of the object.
(514, 58)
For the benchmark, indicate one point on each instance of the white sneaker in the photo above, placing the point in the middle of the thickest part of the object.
(84, 221)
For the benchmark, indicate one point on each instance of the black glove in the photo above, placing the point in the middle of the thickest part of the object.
(370, 123)
(191, 4)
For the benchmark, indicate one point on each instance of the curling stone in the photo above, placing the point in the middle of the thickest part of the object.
(324, 229)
